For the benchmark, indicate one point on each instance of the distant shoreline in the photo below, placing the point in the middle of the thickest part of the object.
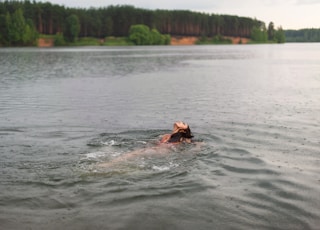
(175, 41)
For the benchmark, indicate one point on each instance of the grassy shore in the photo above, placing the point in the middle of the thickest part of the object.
(108, 41)
(57, 40)
(117, 41)
(216, 40)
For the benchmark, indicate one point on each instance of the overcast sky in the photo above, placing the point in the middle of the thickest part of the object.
(290, 14)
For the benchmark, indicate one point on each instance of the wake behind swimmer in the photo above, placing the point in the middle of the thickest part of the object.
(181, 133)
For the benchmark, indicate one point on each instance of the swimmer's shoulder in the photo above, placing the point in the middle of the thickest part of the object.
(165, 138)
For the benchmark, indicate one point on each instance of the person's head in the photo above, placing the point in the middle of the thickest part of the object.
(181, 133)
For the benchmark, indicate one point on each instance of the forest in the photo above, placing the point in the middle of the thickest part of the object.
(303, 35)
(22, 21)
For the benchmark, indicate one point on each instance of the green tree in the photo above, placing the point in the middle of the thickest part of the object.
(18, 31)
(108, 26)
(15, 27)
(72, 28)
(59, 40)
(259, 35)
(166, 38)
(271, 31)
(279, 36)
(31, 35)
(3, 30)
(156, 37)
(140, 35)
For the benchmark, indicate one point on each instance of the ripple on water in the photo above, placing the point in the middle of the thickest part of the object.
(258, 167)
(257, 191)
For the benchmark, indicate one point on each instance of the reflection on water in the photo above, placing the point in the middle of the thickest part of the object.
(64, 112)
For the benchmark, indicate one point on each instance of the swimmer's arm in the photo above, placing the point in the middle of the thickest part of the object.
(124, 157)
(161, 149)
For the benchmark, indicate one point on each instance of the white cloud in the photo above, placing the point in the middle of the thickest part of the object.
(307, 2)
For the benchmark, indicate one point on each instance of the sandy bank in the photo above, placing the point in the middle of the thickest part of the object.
(45, 42)
(180, 40)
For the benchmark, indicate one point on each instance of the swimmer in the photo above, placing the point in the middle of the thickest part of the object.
(181, 133)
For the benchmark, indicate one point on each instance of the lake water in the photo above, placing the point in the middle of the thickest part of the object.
(255, 109)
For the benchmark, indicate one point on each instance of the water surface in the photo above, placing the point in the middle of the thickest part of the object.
(254, 108)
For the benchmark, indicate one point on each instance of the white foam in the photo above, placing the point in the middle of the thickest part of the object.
(160, 168)
(95, 155)
(110, 143)
(116, 154)
(165, 167)
(142, 142)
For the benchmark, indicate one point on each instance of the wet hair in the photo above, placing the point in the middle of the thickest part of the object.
(187, 133)
(176, 137)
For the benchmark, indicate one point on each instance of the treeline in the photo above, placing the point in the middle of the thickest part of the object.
(270, 34)
(53, 19)
(303, 35)
(116, 20)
